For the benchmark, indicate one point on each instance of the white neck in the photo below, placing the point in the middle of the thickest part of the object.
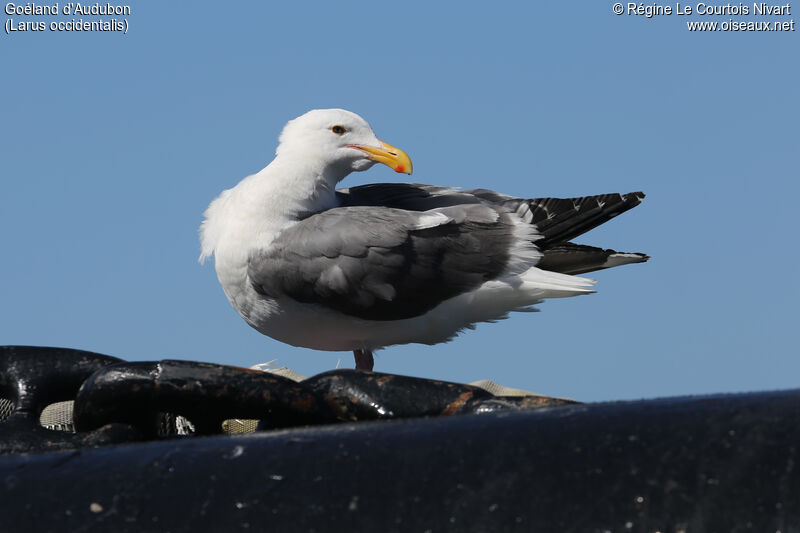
(250, 215)
(303, 185)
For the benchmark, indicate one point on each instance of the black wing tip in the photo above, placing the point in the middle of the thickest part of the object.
(576, 259)
(562, 219)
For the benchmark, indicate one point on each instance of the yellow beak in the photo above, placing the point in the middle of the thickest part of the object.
(387, 154)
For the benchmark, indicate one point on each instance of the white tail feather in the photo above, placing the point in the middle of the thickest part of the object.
(546, 284)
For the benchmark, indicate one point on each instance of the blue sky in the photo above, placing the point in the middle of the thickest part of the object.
(113, 145)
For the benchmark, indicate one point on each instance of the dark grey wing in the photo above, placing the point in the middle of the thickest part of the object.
(381, 263)
(557, 220)
(408, 196)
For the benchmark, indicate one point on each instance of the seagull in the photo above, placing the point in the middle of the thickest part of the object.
(389, 263)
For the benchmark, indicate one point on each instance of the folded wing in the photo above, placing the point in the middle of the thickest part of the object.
(557, 220)
(385, 263)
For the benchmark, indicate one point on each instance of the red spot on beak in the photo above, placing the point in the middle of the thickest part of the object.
(399, 168)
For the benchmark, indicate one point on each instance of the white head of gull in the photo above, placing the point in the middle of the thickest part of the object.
(394, 263)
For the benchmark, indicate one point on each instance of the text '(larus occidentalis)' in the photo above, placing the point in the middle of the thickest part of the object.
(389, 263)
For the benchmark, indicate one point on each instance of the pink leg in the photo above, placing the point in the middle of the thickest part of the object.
(364, 359)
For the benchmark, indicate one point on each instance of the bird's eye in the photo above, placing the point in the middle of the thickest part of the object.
(338, 130)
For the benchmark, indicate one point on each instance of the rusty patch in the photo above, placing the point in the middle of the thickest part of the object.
(304, 403)
(384, 380)
(537, 402)
(456, 406)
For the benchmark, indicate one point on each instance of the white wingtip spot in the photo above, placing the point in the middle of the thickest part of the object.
(432, 219)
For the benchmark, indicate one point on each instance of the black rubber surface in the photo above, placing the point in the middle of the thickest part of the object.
(725, 464)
